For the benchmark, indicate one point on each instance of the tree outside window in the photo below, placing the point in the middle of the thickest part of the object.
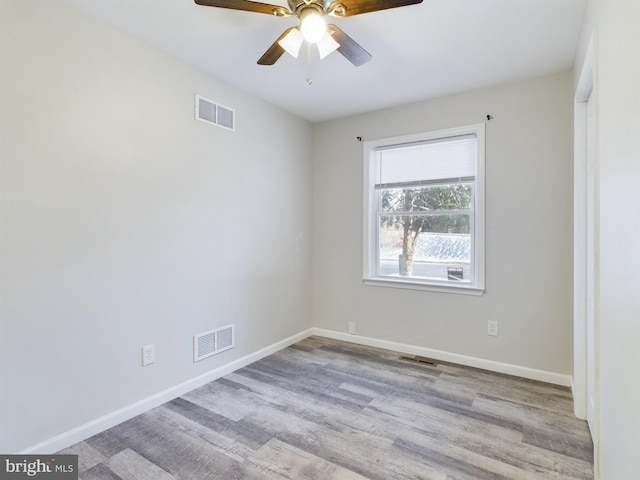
(441, 209)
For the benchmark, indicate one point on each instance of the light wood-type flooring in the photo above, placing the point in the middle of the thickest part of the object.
(324, 409)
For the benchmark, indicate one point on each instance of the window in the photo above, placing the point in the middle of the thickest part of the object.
(424, 211)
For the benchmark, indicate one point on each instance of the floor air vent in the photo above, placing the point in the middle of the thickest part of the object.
(417, 359)
(212, 342)
(214, 113)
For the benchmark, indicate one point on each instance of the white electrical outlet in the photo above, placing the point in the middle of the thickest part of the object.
(352, 327)
(492, 328)
(148, 355)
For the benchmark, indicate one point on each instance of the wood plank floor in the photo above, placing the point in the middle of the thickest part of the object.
(324, 409)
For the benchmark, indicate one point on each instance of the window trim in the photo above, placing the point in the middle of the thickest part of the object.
(370, 231)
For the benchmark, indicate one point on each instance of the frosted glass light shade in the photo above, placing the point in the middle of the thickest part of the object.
(292, 42)
(327, 45)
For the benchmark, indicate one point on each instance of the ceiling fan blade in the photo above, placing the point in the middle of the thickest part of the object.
(357, 7)
(349, 48)
(247, 6)
(275, 51)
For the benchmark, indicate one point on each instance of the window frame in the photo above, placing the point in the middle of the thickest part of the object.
(476, 285)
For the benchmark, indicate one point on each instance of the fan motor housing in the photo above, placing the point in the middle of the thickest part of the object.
(298, 6)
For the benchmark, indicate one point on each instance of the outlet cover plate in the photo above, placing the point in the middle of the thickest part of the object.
(148, 355)
(492, 328)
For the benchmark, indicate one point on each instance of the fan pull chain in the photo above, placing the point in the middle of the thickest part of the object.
(309, 79)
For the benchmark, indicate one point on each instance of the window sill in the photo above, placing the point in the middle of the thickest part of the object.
(460, 289)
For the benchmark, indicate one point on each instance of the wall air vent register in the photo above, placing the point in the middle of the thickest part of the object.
(210, 343)
(213, 113)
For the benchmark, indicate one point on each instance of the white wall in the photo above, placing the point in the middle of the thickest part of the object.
(613, 25)
(125, 222)
(528, 240)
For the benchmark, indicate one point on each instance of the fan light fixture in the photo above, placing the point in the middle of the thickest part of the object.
(313, 27)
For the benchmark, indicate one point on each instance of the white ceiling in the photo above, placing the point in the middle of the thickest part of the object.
(429, 50)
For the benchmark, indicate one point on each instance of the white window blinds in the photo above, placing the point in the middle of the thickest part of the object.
(422, 163)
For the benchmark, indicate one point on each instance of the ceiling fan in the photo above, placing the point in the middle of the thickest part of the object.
(313, 27)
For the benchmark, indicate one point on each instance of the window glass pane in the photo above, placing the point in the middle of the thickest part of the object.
(435, 247)
(438, 197)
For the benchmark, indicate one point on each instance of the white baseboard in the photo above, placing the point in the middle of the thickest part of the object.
(82, 432)
(516, 370)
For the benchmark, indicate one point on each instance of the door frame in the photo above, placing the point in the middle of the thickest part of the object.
(585, 244)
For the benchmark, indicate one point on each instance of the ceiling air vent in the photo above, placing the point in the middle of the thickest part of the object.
(214, 113)
(212, 342)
